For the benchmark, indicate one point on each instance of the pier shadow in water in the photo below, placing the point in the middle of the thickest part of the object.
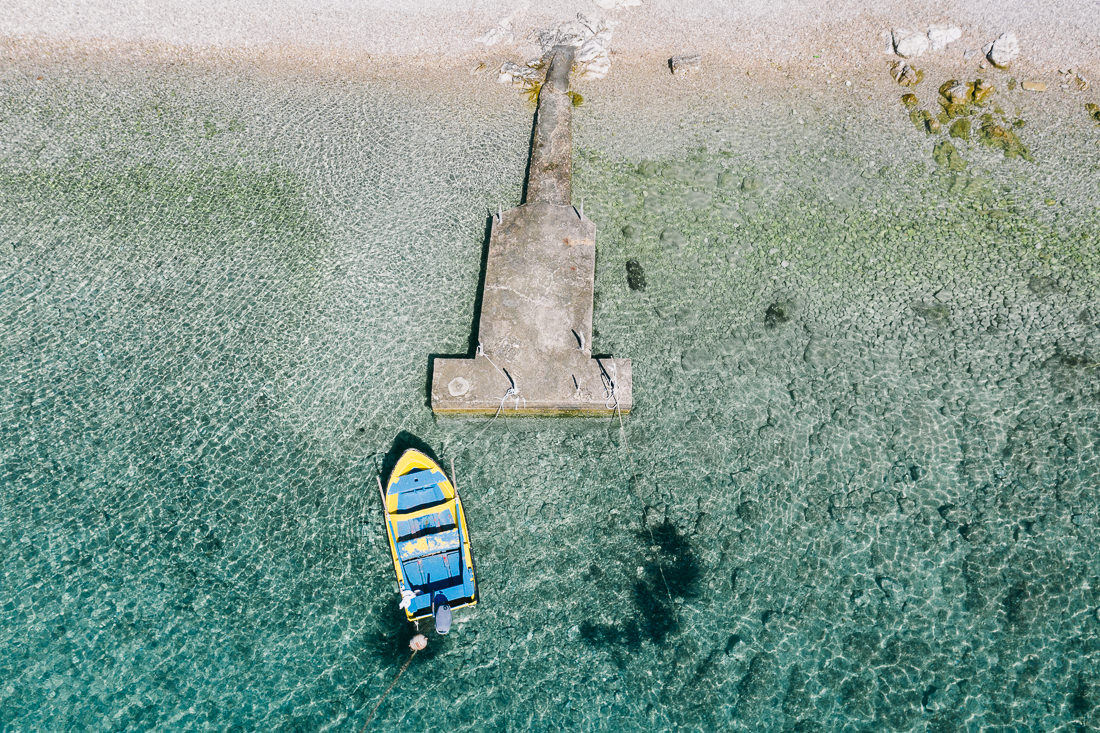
(471, 344)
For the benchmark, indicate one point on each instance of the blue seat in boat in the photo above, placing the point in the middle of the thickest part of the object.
(434, 570)
(426, 524)
(418, 488)
(443, 573)
(429, 544)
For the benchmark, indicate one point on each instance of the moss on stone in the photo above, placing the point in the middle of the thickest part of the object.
(1094, 110)
(960, 129)
(947, 156)
(922, 119)
(996, 136)
(909, 100)
(981, 91)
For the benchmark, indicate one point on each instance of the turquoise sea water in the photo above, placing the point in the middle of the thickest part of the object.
(858, 489)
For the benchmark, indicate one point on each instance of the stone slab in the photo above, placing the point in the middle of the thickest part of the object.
(534, 354)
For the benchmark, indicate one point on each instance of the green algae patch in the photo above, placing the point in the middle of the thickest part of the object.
(1004, 139)
(1093, 110)
(215, 205)
(959, 98)
(923, 120)
(963, 184)
(909, 100)
(960, 129)
(947, 156)
(576, 99)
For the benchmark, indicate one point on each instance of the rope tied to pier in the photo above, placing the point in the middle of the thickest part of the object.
(511, 392)
(632, 473)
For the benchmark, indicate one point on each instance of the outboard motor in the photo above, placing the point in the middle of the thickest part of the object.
(442, 612)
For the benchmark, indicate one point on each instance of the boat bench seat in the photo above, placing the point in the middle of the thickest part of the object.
(441, 570)
(429, 544)
(427, 524)
(418, 488)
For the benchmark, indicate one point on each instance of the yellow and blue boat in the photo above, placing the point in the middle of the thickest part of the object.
(430, 544)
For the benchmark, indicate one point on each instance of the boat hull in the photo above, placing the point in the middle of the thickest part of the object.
(428, 537)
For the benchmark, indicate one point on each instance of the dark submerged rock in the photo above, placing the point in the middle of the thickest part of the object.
(635, 276)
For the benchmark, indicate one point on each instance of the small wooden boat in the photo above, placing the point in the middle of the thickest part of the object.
(428, 539)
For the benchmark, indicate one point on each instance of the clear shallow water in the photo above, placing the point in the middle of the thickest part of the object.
(865, 433)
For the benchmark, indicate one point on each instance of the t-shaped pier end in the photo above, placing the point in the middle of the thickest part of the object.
(534, 352)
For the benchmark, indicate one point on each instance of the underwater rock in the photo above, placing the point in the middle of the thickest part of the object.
(750, 184)
(906, 75)
(1093, 110)
(1034, 86)
(1004, 50)
(696, 199)
(960, 129)
(922, 119)
(629, 232)
(909, 43)
(778, 313)
(996, 136)
(672, 238)
(685, 64)
(728, 179)
(749, 512)
(635, 276)
(939, 36)
(755, 686)
(947, 156)
(1043, 285)
(909, 100)
(935, 314)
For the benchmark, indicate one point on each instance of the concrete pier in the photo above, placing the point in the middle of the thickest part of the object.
(535, 334)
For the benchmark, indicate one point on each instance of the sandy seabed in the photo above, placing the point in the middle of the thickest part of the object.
(865, 434)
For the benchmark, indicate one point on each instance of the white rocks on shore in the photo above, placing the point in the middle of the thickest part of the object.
(908, 43)
(592, 57)
(1002, 51)
(501, 34)
(1072, 80)
(686, 64)
(941, 35)
(519, 75)
(591, 39)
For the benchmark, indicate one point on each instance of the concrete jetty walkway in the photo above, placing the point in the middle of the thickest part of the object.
(535, 333)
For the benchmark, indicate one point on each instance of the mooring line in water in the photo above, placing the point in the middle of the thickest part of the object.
(633, 476)
(388, 690)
